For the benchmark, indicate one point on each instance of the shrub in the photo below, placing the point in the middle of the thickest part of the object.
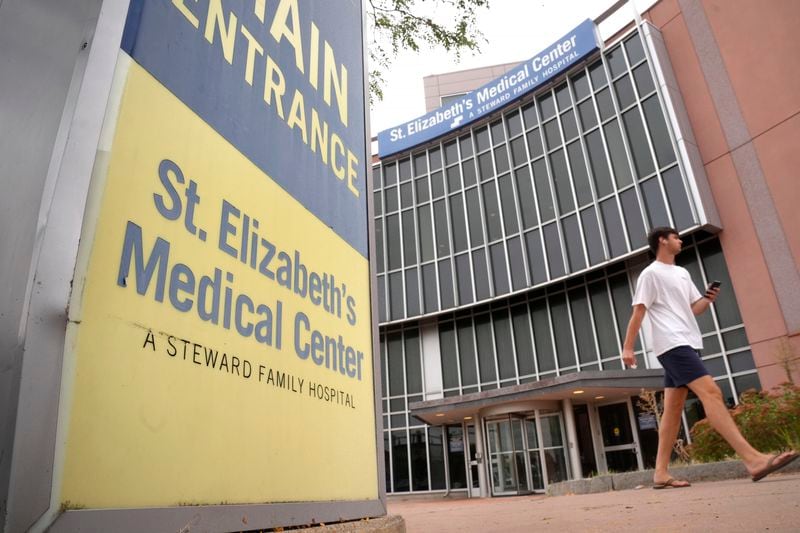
(770, 421)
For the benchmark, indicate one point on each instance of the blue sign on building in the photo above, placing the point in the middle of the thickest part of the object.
(521, 80)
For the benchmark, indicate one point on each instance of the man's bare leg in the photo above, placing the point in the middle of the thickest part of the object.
(674, 398)
(717, 413)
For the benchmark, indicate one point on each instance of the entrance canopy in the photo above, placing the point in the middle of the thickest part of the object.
(609, 384)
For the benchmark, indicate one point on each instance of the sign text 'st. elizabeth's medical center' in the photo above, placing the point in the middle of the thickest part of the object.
(521, 80)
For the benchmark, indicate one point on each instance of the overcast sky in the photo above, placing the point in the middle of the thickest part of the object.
(515, 30)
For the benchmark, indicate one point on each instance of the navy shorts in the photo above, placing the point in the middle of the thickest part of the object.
(682, 365)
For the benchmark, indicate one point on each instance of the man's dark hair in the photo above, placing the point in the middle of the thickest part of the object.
(656, 234)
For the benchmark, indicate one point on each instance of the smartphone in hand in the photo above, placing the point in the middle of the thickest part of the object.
(713, 285)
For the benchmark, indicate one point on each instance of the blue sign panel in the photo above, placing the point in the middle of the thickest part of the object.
(521, 80)
(281, 81)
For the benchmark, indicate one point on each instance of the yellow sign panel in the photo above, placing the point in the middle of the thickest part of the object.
(221, 349)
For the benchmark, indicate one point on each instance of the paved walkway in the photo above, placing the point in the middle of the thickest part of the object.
(772, 504)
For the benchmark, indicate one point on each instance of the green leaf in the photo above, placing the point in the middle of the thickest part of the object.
(396, 25)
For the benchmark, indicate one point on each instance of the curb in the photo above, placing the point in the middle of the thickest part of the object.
(720, 471)
(383, 524)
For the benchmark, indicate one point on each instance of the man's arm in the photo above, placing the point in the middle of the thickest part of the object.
(634, 324)
(700, 306)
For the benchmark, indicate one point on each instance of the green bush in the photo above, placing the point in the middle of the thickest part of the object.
(770, 421)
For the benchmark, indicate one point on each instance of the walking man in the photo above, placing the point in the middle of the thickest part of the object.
(666, 293)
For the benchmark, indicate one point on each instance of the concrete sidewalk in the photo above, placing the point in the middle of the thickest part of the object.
(772, 504)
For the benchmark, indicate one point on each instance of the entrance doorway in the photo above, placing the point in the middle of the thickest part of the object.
(507, 456)
(620, 442)
(525, 453)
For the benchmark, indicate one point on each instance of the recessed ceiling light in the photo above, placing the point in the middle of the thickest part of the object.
(599, 397)
(467, 418)
(439, 414)
(577, 392)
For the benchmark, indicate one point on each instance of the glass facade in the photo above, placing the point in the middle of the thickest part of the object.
(519, 241)
(553, 186)
(572, 326)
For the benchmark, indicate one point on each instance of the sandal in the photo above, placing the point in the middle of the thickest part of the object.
(671, 483)
(775, 463)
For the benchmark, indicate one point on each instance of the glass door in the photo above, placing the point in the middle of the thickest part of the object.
(520, 462)
(472, 471)
(498, 438)
(507, 447)
(619, 441)
(552, 448)
(534, 455)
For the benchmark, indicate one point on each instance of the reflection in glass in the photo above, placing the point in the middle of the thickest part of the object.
(637, 140)
(396, 296)
(654, 203)
(591, 230)
(409, 240)
(466, 352)
(464, 277)
(516, 264)
(446, 283)
(529, 115)
(633, 218)
(447, 347)
(624, 90)
(533, 245)
(505, 346)
(522, 339)
(509, 206)
(499, 269)
(553, 246)
(436, 456)
(429, 289)
(597, 158)
(613, 223)
(492, 211)
(545, 197)
(658, 131)
(535, 143)
(619, 160)
(412, 292)
(572, 237)
(536, 471)
(678, 200)
(580, 85)
(561, 178)
(563, 336)
(598, 74)
(459, 222)
(400, 461)
(419, 459)
(569, 125)
(474, 214)
(543, 339)
(455, 457)
(556, 465)
(482, 290)
(425, 232)
(483, 334)
(442, 239)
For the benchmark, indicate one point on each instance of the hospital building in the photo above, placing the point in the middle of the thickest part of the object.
(510, 235)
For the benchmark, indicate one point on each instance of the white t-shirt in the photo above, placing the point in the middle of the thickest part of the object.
(668, 293)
